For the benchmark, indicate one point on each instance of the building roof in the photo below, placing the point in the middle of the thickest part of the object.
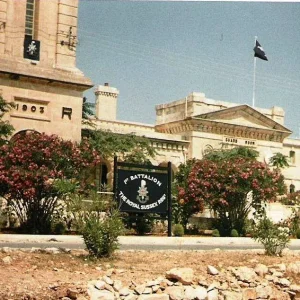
(243, 115)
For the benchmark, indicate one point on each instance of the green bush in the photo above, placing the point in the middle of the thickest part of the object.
(273, 236)
(216, 233)
(178, 230)
(98, 221)
(101, 234)
(234, 233)
(298, 234)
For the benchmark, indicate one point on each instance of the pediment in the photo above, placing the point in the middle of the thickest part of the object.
(243, 115)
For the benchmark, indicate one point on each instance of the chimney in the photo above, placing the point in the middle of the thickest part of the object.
(106, 102)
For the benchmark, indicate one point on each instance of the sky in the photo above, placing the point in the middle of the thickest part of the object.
(157, 52)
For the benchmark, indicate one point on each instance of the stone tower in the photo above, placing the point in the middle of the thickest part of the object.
(38, 71)
(106, 102)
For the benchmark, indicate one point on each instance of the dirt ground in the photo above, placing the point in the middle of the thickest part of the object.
(48, 276)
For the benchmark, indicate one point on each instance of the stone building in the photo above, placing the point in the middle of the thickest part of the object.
(38, 72)
(38, 66)
(189, 127)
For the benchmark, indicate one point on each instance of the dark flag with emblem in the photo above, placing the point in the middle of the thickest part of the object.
(259, 51)
(31, 48)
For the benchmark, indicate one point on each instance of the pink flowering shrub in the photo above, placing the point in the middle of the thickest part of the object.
(230, 187)
(31, 165)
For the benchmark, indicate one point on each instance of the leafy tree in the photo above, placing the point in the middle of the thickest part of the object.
(6, 129)
(130, 147)
(31, 169)
(231, 187)
(279, 161)
(218, 155)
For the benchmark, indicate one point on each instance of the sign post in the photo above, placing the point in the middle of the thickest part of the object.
(143, 189)
(169, 199)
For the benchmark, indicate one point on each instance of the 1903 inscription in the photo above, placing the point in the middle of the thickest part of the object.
(30, 108)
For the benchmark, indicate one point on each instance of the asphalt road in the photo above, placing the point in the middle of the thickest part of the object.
(149, 243)
(147, 247)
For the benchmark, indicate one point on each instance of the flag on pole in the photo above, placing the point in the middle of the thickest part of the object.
(259, 51)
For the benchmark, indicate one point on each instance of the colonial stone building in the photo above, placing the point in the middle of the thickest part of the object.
(189, 127)
(38, 66)
(38, 72)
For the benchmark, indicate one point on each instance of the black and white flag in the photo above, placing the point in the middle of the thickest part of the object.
(259, 51)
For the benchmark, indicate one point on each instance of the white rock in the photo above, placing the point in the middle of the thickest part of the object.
(153, 282)
(230, 295)
(155, 288)
(6, 250)
(124, 291)
(175, 292)
(294, 267)
(189, 293)
(281, 267)
(295, 288)
(261, 269)
(35, 250)
(184, 275)
(52, 250)
(213, 294)
(7, 260)
(284, 282)
(117, 285)
(101, 295)
(201, 293)
(263, 292)
(245, 274)
(108, 280)
(212, 270)
(139, 289)
(100, 284)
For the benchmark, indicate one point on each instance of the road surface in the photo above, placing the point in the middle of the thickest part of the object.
(148, 243)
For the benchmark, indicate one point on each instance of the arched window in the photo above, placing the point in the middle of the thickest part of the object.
(21, 134)
(292, 188)
(208, 148)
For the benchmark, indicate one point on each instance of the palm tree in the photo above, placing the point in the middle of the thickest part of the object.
(279, 160)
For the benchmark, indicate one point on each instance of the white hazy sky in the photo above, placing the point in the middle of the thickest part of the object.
(156, 52)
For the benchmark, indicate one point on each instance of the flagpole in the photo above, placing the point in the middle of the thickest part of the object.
(254, 72)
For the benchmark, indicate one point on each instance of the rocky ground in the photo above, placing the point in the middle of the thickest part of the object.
(145, 275)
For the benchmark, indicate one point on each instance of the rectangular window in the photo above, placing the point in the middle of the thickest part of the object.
(29, 20)
(292, 157)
